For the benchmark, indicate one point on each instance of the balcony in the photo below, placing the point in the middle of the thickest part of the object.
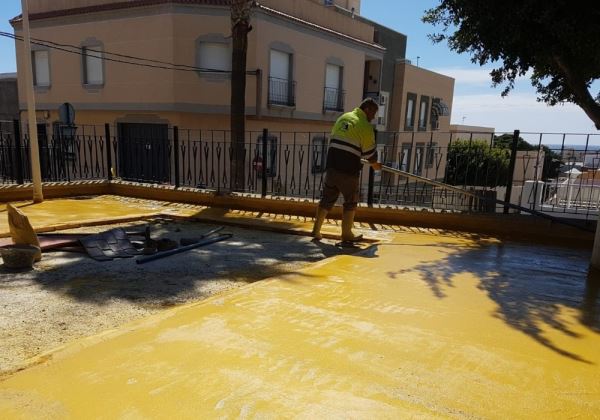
(333, 99)
(282, 92)
(373, 95)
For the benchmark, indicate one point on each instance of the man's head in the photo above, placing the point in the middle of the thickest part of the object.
(370, 107)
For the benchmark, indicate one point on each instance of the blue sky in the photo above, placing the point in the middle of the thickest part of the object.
(475, 101)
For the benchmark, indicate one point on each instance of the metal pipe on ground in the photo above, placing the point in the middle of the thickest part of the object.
(163, 254)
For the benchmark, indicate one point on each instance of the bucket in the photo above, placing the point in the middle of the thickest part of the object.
(19, 256)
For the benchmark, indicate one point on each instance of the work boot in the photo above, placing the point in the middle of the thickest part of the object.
(347, 223)
(319, 219)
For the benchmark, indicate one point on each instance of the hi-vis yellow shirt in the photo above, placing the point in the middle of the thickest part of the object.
(352, 138)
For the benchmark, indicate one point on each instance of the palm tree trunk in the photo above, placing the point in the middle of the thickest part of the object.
(240, 26)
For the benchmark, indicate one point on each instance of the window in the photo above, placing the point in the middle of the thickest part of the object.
(432, 151)
(438, 109)
(281, 86)
(419, 156)
(405, 157)
(409, 122)
(41, 68)
(214, 56)
(376, 36)
(333, 97)
(423, 109)
(318, 153)
(93, 72)
(271, 160)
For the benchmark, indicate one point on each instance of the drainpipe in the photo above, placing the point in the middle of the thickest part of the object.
(36, 173)
(258, 93)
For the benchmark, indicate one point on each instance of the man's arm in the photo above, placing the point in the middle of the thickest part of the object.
(369, 148)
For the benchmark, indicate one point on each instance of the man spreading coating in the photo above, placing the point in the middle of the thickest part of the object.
(352, 139)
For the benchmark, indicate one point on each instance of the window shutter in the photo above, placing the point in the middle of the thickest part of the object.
(41, 68)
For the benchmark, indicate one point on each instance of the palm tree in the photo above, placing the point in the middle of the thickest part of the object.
(240, 26)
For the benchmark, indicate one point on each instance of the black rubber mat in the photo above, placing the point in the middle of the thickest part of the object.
(107, 245)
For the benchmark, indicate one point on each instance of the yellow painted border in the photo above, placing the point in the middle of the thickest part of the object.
(511, 226)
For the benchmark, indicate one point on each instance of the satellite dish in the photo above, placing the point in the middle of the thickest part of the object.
(66, 113)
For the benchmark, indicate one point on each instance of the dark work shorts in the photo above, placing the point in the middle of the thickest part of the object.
(337, 182)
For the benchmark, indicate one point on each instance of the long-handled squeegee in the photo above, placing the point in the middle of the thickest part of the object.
(479, 197)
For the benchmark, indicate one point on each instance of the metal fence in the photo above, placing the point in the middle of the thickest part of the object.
(550, 173)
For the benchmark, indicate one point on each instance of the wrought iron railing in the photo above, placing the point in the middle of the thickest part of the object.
(558, 174)
(282, 92)
(11, 160)
(333, 99)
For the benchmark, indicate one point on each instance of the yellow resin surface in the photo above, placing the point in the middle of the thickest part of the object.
(420, 326)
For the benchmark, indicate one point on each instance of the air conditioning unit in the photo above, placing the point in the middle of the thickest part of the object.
(383, 98)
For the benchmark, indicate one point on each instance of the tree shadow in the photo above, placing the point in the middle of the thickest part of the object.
(247, 257)
(529, 284)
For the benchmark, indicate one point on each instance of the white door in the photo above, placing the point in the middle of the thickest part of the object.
(332, 86)
(280, 65)
(332, 76)
(279, 89)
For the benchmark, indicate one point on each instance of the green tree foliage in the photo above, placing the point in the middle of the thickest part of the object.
(505, 142)
(557, 40)
(552, 160)
(479, 163)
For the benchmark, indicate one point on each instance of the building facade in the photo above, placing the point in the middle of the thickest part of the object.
(9, 97)
(305, 62)
(145, 66)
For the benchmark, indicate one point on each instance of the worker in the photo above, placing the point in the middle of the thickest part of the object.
(352, 139)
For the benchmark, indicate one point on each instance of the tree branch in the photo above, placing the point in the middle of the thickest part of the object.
(582, 95)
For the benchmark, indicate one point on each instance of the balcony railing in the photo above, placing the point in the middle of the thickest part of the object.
(282, 92)
(373, 95)
(333, 99)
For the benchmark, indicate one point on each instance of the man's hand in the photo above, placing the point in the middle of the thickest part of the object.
(376, 166)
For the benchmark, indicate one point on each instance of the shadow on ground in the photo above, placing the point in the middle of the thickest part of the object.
(247, 257)
(529, 284)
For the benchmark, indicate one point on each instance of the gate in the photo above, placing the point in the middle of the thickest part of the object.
(144, 152)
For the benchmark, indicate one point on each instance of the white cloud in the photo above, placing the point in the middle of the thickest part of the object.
(478, 76)
(466, 76)
(519, 111)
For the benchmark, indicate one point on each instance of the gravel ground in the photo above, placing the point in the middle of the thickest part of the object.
(69, 295)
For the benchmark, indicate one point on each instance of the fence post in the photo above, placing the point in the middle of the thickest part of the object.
(108, 154)
(265, 137)
(371, 186)
(18, 155)
(511, 169)
(176, 154)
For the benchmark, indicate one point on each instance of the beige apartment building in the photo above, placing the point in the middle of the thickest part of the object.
(308, 61)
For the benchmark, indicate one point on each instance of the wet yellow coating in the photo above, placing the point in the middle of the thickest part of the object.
(421, 326)
(63, 213)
